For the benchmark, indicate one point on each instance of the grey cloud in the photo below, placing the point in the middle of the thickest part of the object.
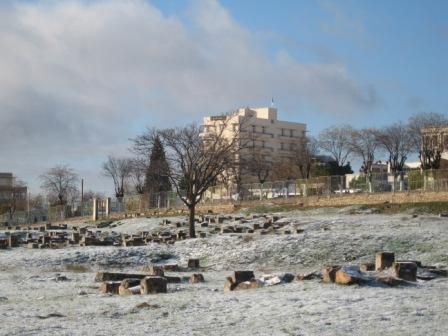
(82, 74)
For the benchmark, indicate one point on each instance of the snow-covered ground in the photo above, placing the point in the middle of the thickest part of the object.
(33, 302)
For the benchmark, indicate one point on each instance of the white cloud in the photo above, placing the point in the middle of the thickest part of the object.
(79, 75)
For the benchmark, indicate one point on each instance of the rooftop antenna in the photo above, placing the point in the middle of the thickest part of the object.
(272, 102)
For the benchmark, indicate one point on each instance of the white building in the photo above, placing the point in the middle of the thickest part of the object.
(271, 139)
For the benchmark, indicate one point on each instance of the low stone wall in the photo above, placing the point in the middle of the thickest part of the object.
(310, 201)
(336, 200)
(375, 198)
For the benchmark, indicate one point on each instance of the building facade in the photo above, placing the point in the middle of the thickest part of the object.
(265, 139)
(10, 191)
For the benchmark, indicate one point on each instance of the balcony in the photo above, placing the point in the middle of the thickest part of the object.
(286, 136)
(257, 134)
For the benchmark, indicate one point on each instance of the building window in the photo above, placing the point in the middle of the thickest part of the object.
(291, 133)
(254, 128)
(282, 146)
(263, 129)
(263, 143)
(283, 131)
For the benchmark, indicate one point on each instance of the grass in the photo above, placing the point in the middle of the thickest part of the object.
(77, 268)
(418, 208)
(413, 208)
(266, 208)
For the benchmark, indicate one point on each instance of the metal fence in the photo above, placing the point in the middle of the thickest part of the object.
(331, 186)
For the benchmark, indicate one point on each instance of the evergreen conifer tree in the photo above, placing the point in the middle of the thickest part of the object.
(156, 179)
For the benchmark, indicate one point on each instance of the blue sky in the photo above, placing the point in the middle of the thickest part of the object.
(79, 78)
(399, 48)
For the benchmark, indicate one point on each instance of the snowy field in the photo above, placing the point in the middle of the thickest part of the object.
(35, 299)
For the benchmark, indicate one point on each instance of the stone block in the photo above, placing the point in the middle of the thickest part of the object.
(229, 285)
(202, 234)
(110, 287)
(111, 276)
(406, 271)
(173, 279)
(287, 277)
(329, 273)
(130, 282)
(3, 243)
(13, 241)
(384, 260)
(309, 276)
(241, 276)
(154, 270)
(129, 291)
(196, 278)
(153, 285)
(349, 275)
(367, 267)
(129, 286)
(75, 237)
(171, 267)
(193, 263)
(251, 284)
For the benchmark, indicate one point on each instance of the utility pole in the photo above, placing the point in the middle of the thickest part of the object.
(82, 197)
(28, 208)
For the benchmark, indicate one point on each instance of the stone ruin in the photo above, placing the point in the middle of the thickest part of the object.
(153, 280)
(62, 235)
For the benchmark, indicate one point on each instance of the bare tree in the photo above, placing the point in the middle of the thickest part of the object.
(256, 164)
(119, 169)
(60, 182)
(396, 140)
(37, 202)
(137, 174)
(196, 160)
(143, 144)
(305, 157)
(336, 141)
(364, 145)
(429, 155)
(90, 195)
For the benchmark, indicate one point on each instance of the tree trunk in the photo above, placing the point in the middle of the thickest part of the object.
(192, 222)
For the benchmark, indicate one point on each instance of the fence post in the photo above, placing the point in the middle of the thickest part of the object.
(108, 200)
(95, 209)
(341, 187)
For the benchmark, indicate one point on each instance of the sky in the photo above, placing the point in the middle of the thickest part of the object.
(79, 78)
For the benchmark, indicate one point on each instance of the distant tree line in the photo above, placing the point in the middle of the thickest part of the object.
(184, 161)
